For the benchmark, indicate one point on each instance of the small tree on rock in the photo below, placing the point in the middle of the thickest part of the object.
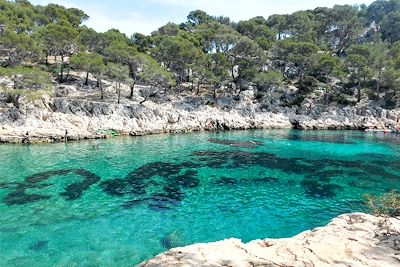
(119, 74)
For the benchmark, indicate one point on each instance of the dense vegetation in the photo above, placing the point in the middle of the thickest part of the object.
(387, 204)
(340, 52)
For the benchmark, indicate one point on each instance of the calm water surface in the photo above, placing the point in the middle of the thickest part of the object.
(121, 201)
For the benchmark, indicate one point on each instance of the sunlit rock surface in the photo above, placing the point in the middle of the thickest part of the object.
(356, 239)
(83, 115)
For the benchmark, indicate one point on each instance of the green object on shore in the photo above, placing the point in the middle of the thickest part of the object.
(107, 132)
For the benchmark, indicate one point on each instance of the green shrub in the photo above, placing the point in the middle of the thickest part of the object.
(391, 101)
(341, 99)
(308, 84)
(390, 104)
(29, 82)
(295, 101)
(268, 79)
(55, 70)
(387, 204)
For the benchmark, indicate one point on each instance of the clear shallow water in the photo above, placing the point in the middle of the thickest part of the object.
(121, 201)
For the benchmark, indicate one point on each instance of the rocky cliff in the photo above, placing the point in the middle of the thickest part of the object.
(83, 115)
(349, 240)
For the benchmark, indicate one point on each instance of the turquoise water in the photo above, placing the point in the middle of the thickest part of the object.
(118, 202)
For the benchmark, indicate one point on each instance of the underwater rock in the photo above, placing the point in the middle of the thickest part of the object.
(19, 196)
(163, 169)
(133, 203)
(170, 240)
(137, 181)
(266, 180)
(39, 245)
(314, 188)
(355, 239)
(226, 181)
(42, 176)
(75, 190)
(333, 139)
(187, 180)
(234, 143)
(242, 159)
(114, 187)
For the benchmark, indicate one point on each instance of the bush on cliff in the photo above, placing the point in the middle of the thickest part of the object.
(26, 81)
(387, 204)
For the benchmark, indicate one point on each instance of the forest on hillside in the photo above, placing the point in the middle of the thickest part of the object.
(344, 51)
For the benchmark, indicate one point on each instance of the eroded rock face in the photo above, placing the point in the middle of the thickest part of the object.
(356, 239)
(82, 115)
(83, 118)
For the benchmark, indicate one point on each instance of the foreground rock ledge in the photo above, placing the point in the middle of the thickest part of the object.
(355, 239)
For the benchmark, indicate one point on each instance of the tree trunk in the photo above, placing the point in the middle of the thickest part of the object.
(47, 59)
(198, 88)
(132, 88)
(326, 96)
(302, 73)
(15, 83)
(327, 89)
(183, 78)
(101, 89)
(378, 84)
(359, 90)
(132, 73)
(62, 70)
(283, 70)
(147, 95)
(119, 92)
(239, 86)
(67, 76)
(87, 79)
(192, 87)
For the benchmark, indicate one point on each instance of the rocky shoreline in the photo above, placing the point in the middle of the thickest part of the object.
(83, 119)
(47, 119)
(355, 239)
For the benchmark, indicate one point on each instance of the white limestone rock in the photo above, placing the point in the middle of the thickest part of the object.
(356, 239)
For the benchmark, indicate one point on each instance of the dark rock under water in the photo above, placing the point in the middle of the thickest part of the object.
(234, 143)
(39, 245)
